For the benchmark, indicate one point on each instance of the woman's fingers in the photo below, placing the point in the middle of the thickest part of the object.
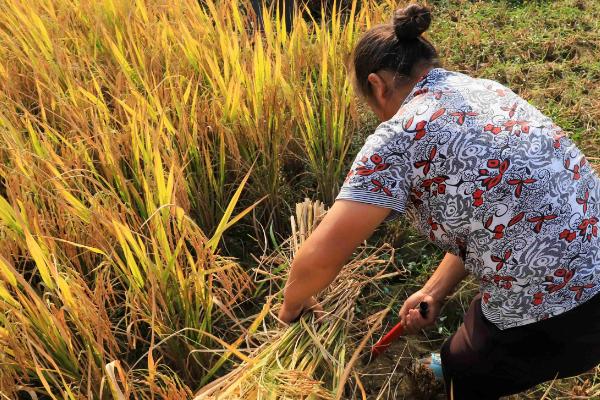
(404, 312)
(414, 321)
(410, 312)
(287, 315)
(313, 305)
(402, 315)
(408, 324)
(411, 302)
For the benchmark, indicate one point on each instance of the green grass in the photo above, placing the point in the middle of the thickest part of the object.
(547, 51)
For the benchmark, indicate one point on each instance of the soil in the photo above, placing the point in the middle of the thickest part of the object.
(393, 374)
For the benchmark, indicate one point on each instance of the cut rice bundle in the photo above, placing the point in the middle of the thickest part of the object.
(307, 359)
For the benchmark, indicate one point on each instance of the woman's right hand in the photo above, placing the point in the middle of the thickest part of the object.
(411, 318)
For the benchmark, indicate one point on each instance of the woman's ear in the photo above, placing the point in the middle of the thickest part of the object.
(379, 88)
(378, 94)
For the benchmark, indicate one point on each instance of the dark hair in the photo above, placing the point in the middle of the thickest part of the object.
(397, 47)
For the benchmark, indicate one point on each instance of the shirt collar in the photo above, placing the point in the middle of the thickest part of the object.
(428, 79)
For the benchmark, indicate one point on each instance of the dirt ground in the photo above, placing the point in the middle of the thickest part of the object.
(393, 375)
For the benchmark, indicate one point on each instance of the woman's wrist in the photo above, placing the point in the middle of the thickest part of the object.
(446, 276)
(434, 292)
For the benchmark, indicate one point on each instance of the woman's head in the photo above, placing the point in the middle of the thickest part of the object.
(389, 58)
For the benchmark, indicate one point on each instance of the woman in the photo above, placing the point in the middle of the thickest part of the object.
(494, 183)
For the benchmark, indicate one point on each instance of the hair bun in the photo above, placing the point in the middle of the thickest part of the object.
(412, 21)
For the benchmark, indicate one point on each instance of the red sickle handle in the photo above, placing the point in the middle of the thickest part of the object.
(387, 340)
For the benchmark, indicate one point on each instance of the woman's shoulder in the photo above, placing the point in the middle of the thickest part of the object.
(448, 81)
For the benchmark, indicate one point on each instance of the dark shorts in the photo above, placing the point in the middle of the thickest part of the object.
(481, 362)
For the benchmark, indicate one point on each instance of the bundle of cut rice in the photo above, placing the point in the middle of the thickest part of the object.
(307, 360)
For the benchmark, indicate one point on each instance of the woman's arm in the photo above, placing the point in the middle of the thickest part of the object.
(321, 257)
(446, 276)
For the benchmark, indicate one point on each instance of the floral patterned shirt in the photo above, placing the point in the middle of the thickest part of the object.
(486, 176)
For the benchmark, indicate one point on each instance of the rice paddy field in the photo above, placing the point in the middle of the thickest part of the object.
(155, 158)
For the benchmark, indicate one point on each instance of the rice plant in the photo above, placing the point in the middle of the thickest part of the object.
(134, 135)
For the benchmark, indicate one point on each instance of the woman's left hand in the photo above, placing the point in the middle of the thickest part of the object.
(288, 315)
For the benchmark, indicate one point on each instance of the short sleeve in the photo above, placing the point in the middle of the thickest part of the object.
(381, 173)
